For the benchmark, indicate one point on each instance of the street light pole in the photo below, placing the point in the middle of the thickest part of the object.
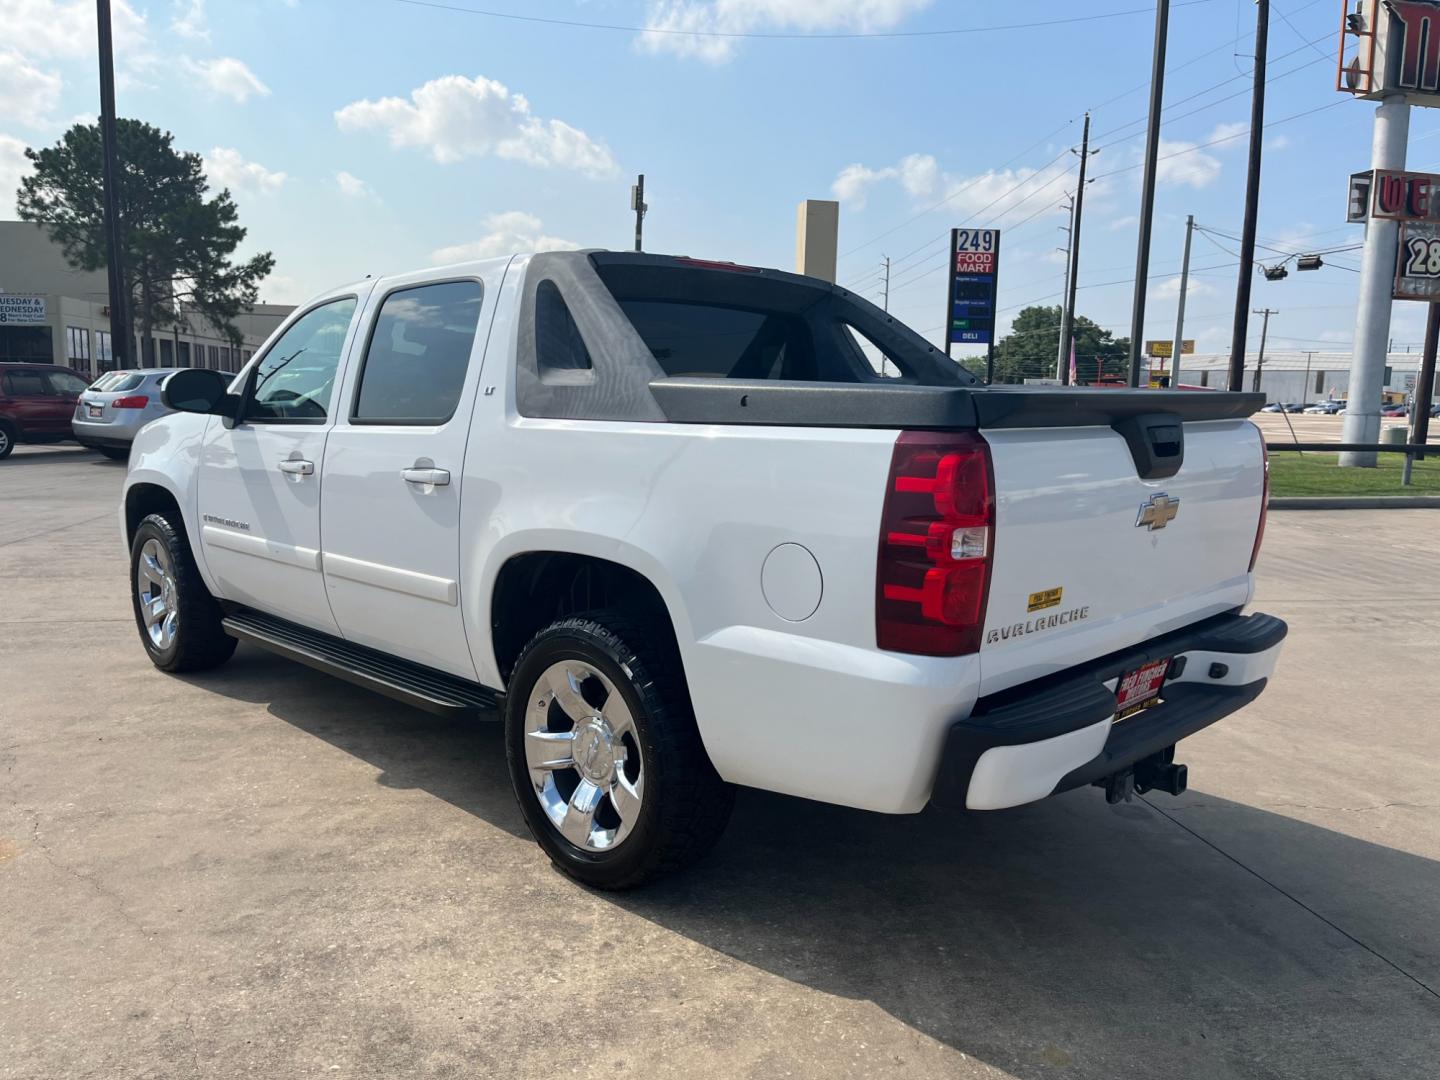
(115, 271)
(1264, 333)
(1072, 280)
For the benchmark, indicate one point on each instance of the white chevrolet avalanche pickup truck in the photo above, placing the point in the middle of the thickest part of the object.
(689, 525)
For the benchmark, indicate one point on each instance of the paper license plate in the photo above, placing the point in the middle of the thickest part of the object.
(95, 410)
(1140, 687)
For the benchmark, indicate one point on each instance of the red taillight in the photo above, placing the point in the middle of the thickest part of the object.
(937, 539)
(134, 401)
(1264, 506)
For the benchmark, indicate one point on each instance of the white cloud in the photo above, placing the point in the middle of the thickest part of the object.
(454, 117)
(1228, 132)
(27, 94)
(58, 28)
(680, 26)
(1181, 164)
(228, 77)
(283, 289)
(511, 232)
(353, 187)
(1169, 289)
(227, 168)
(189, 20)
(1278, 142)
(1126, 222)
(13, 166)
(995, 193)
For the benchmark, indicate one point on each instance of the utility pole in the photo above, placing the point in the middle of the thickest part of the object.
(1069, 231)
(1178, 347)
(885, 304)
(637, 203)
(1424, 388)
(1264, 332)
(119, 305)
(1252, 201)
(1147, 189)
(1072, 273)
(1305, 387)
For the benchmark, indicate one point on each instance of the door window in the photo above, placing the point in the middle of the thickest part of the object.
(26, 384)
(66, 383)
(293, 383)
(418, 353)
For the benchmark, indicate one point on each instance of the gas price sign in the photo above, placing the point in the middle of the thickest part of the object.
(1417, 273)
(974, 270)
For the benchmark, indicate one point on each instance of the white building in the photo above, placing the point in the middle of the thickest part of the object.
(1303, 377)
(52, 313)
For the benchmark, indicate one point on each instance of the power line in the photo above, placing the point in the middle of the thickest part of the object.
(778, 35)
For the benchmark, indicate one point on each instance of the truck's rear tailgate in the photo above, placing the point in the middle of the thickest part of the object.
(1082, 564)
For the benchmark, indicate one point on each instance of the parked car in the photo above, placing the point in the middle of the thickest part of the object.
(668, 518)
(1273, 406)
(116, 406)
(1326, 408)
(1394, 410)
(36, 403)
(1294, 406)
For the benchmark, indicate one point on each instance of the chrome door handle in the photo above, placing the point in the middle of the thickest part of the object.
(297, 467)
(416, 475)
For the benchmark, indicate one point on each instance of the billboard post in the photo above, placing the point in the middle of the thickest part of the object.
(970, 304)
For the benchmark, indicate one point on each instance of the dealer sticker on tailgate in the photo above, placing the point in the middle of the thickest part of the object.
(1140, 688)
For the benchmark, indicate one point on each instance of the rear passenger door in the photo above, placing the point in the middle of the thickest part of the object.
(390, 511)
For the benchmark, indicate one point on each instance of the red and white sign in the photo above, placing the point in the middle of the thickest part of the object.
(975, 262)
(1405, 196)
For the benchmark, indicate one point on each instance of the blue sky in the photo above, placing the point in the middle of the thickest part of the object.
(369, 136)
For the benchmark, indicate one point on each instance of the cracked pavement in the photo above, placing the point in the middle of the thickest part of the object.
(262, 871)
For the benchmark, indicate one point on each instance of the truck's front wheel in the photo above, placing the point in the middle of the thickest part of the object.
(178, 619)
(604, 753)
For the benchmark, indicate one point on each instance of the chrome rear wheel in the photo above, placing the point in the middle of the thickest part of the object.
(583, 756)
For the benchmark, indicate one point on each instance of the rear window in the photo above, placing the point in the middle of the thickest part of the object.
(749, 324)
(117, 382)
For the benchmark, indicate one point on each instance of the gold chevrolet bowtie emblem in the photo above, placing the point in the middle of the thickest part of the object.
(1157, 511)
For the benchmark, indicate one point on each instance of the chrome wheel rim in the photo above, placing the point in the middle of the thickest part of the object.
(155, 589)
(582, 751)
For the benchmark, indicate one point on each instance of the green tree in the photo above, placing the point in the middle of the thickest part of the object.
(1030, 349)
(178, 244)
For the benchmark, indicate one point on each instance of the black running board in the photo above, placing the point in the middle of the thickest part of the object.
(414, 684)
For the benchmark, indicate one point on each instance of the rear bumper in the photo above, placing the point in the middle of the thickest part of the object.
(95, 434)
(1055, 734)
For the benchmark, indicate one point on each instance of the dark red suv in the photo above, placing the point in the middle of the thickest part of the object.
(36, 403)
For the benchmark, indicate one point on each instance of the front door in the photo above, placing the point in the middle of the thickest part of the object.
(393, 467)
(260, 479)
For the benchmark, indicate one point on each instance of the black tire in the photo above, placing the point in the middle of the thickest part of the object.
(198, 641)
(8, 438)
(115, 453)
(685, 805)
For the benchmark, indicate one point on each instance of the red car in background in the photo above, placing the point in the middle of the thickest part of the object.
(36, 403)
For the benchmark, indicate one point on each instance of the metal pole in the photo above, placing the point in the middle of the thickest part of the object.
(1147, 188)
(1424, 388)
(1305, 386)
(990, 361)
(637, 198)
(1072, 273)
(1252, 201)
(1264, 332)
(1179, 344)
(115, 271)
(1377, 283)
(1069, 231)
(885, 303)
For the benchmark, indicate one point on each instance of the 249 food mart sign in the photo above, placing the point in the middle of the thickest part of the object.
(974, 272)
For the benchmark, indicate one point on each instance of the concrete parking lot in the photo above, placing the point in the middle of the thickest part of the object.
(260, 871)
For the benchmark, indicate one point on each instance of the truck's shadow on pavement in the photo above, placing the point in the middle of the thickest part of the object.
(1116, 941)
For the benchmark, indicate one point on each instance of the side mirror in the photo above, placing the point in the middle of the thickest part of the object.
(197, 390)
